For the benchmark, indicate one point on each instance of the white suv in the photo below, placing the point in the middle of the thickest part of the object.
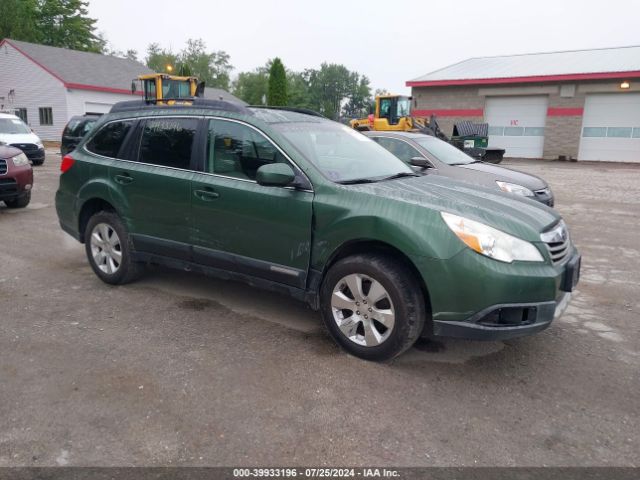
(14, 132)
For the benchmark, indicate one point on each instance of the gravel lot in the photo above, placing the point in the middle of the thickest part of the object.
(180, 369)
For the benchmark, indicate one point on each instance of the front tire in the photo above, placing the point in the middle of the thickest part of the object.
(108, 247)
(373, 306)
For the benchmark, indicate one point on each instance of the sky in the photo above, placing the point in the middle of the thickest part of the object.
(389, 42)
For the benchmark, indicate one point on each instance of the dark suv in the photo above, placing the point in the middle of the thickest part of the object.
(77, 127)
(16, 177)
(309, 207)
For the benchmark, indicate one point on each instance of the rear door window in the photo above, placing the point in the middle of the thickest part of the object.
(109, 139)
(168, 142)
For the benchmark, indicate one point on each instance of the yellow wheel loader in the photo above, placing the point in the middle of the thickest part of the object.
(164, 89)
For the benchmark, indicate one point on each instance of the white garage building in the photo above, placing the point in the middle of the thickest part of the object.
(581, 104)
(46, 86)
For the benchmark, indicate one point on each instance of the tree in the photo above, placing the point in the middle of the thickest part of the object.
(329, 87)
(359, 97)
(277, 93)
(58, 23)
(211, 67)
(298, 90)
(64, 23)
(159, 59)
(252, 87)
(18, 20)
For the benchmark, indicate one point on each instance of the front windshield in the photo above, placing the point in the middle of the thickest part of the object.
(443, 151)
(13, 125)
(404, 107)
(175, 89)
(341, 153)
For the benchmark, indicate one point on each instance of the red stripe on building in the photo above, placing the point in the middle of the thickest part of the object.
(96, 88)
(537, 78)
(564, 112)
(449, 112)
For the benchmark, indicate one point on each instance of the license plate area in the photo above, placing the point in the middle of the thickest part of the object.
(571, 274)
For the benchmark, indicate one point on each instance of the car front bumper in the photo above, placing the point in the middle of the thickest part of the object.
(474, 297)
(16, 182)
(534, 317)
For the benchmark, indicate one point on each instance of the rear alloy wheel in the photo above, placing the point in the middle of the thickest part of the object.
(109, 250)
(372, 306)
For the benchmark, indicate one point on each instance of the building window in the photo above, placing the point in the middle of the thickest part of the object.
(21, 113)
(46, 115)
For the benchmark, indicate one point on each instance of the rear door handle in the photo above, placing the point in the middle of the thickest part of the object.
(123, 179)
(206, 195)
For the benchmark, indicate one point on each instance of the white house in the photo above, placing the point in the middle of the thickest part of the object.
(46, 86)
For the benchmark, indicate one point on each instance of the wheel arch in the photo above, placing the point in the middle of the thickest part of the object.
(89, 208)
(364, 245)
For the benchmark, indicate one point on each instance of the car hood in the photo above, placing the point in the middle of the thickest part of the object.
(517, 216)
(19, 138)
(507, 175)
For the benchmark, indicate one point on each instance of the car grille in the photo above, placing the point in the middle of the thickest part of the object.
(3, 166)
(8, 185)
(557, 242)
(26, 147)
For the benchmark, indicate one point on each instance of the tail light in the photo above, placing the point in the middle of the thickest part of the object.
(67, 163)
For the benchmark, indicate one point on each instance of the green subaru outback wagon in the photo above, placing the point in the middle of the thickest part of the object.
(299, 204)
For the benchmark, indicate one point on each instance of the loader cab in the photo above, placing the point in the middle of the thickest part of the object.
(393, 108)
(169, 89)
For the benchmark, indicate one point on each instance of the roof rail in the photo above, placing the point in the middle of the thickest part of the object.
(196, 102)
(306, 111)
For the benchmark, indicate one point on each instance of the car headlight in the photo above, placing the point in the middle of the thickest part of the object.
(491, 242)
(20, 160)
(39, 145)
(515, 189)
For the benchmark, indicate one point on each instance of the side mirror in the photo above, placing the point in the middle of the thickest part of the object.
(275, 175)
(420, 162)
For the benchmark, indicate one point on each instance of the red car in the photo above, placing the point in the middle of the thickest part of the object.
(16, 177)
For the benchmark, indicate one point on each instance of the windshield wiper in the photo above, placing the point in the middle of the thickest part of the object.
(400, 175)
(355, 181)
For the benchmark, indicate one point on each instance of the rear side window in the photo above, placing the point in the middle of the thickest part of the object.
(108, 140)
(168, 142)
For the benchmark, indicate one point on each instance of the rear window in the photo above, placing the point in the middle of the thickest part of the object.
(108, 141)
(78, 127)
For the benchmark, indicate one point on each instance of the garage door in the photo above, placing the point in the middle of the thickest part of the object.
(95, 107)
(517, 124)
(611, 128)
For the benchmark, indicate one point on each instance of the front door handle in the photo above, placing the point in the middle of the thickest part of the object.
(123, 179)
(206, 195)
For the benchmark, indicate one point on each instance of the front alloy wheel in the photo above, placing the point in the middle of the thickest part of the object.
(363, 310)
(372, 305)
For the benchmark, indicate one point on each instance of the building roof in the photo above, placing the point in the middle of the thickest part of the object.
(82, 70)
(220, 94)
(595, 64)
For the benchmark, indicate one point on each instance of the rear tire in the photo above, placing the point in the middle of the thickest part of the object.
(19, 202)
(386, 314)
(492, 157)
(109, 249)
